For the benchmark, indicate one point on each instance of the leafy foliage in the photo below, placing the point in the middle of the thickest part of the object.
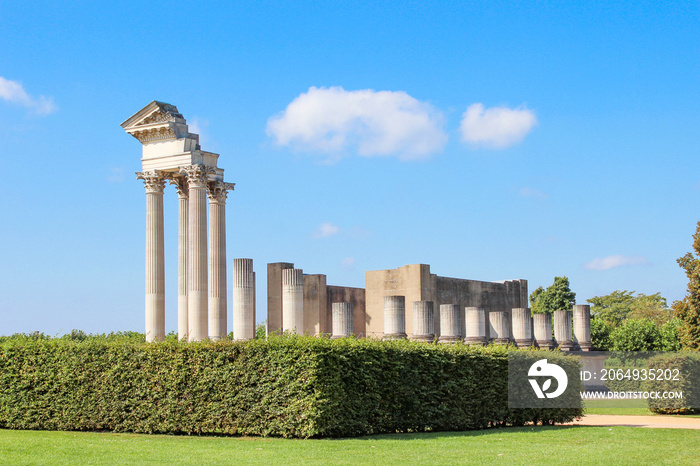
(688, 310)
(620, 305)
(600, 334)
(688, 365)
(288, 386)
(636, 335)
(557, 297)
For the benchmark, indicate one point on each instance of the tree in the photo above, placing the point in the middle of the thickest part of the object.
(688, 309)
(636, 335)
(652, 307)
(612, 308)
(557, 297)
(600, 334)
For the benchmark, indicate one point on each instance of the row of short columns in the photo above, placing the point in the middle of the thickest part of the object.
(527, 330)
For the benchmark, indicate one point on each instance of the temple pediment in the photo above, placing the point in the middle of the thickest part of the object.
(157, 121)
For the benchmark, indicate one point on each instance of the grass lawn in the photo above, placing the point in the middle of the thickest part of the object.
(628, 407)
(523, 445)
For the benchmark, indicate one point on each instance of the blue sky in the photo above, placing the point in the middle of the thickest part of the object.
(343, 126)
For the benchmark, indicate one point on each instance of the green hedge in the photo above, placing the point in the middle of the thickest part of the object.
(688, 366)
(283, 386)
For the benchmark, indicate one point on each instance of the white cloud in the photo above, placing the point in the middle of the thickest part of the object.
(496, 127)
(532, 192)
(375, 123)
(325, 230)
(348, 263)
(610, 262)
(116, 175)
(13, 92)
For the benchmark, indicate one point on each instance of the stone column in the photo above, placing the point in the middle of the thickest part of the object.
(543, 330)
(475, 318)
(582, 327)
(180, 183)
(243, 299)
(499, 327)
(423, 321)
(562, 330)
(293, 300)
(342, 320)
(217, 260)
(394, 317)
(522, 327)
(450, 323)
(197, 292)
(154, 182)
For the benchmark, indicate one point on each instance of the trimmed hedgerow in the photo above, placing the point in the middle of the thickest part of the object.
(674, 373)
(282, 386)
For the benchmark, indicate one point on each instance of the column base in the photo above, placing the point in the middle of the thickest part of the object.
(449, 339)
(501, 341)
(335, 337)
(546, 345)
(394, 336)
(566, 345)
(423, 338)
(476, 341)
(524, 343)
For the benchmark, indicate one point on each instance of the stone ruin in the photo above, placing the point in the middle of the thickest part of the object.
(406, 302)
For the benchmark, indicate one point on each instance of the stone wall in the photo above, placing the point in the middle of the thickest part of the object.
(416, 283)
(318, 299)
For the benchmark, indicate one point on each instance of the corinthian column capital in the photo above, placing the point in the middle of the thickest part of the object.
(180, 183)
(153, 180)
(218, 190)
(197, 175)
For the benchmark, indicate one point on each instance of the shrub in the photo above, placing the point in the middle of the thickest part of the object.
(283, 386)
(635, 335)
(600, 334)
(688, 366)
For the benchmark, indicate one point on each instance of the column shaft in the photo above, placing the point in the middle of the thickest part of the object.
(522, 327)
(582, 327)
(543, 330)
(182, 246)
(423, 321)
(155, 255)
(562, 330)
(499, 328)
(293, 300)
(243, 299)
(342, 320)
(394, 317)
(197, 293)
(217, 261)
(450, 323)
(475, 318)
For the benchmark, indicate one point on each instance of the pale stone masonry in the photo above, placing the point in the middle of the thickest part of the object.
(170, 152)
(394, 317)
(318, 300)
(543, 330)
(416, 283)
(522, 327)
(423, 321)
(243, 299)
(476, 325)
(342, 320)
(450, 324)
(155, 255)
(499, 327)
(293, 301)
(562, 330)
(582, 327)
